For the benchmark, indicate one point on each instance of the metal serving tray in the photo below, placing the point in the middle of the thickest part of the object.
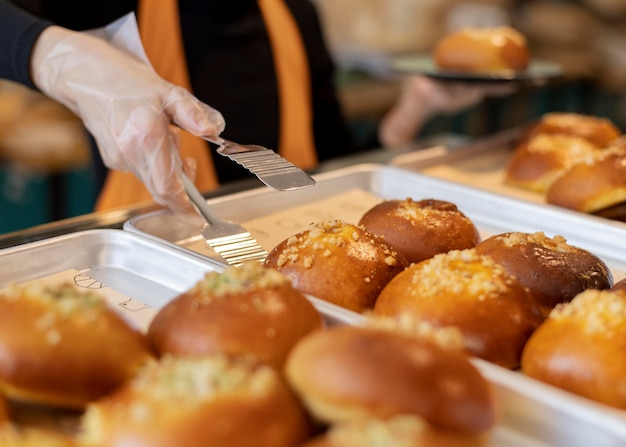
(145, 273)
(532, 413)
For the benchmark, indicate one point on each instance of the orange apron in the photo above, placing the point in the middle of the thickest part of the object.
(159, 27)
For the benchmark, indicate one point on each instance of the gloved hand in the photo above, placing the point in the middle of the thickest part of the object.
(422, 98)
(126, 106)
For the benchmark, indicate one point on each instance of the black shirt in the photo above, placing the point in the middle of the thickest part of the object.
(231, 69)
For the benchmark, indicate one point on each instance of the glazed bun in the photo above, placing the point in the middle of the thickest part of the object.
(243, 310)
(598, 131)
(214, 400)
(338, 262)
(468, 291)
(551, 269)
(620, 285)
(63, 346)
(397, 431)
(580, 347)
(420, 230)
(482, 50)
(538, 161)
(558, 141)
(348, 373)
(592, 185)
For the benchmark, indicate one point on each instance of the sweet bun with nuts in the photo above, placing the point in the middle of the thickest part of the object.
(471, 292)
(558, 141)
(243, 310)
(347, 373)
(421, 229)
(472, 49)
(339, 262)
(63, 346)
(344, 373)
(597, 130)
(553, 270)
(212, 400)
(594, 184)
(540, 160)
(580, 347)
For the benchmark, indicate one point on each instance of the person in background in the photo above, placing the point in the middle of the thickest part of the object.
(232, 55)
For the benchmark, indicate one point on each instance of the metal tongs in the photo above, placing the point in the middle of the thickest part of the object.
(272, 169)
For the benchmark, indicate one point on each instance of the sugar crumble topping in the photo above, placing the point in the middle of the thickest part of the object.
(248, 276)
(194, 380)
(601, 311)
(323, 238)
(557, 243)
(462, 272)
(62, 302)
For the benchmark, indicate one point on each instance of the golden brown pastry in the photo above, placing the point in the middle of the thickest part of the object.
(591, 185)
(63, 346)
(338, 262)
(550, 268)
(482, 50)
(597, 130)
(539, 160)
(243, 310)
(348, 373)
(420, 230)
(397, 431)
(580, 347)
(215, 400)
(463, 289)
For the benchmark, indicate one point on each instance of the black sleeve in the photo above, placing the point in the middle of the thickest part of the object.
(18, 32)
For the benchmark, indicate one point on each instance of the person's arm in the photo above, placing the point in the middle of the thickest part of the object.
(422, 98)
(18, 33)
(123, 103)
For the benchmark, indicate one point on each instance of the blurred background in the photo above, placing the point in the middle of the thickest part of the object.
(45, 170)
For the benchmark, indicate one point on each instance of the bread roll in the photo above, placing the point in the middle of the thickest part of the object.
(420, 230)
(538, 161)
(397, 431)
(551, 269)
(482, 50)
(242, 310)
(214, 400)
(63, 346)
(597, 130)
(593, 184)
(338, 262)
(463, 289)
(348, 373)
(580, 347)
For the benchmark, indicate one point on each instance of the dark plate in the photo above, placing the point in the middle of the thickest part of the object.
(538, 71)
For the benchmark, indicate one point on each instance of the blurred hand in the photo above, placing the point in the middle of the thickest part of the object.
(126, 106)
(422, 98)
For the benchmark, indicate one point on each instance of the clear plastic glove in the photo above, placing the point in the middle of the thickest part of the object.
(126, 106)
(422, 98)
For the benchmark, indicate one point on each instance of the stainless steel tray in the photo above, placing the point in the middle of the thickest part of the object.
(140, 269)
(533, 414)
